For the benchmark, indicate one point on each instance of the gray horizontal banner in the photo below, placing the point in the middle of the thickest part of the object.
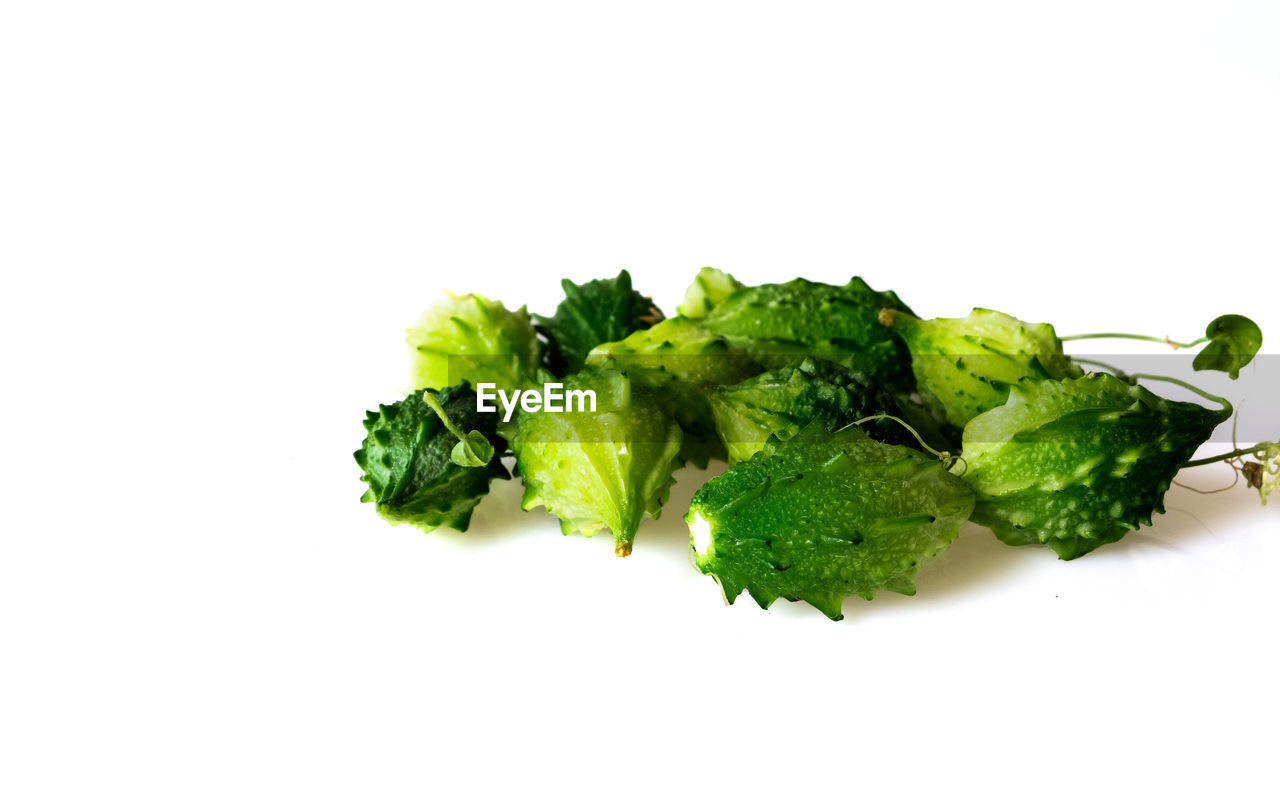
(1255, 395)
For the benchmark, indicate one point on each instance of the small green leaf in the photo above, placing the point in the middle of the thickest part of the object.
(1233, 340)
(474, 451)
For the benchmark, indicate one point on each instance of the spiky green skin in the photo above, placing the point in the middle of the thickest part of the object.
(592, 313)
(680, 361)
(474, 339)
(406, 461)
(709, 289)
(824, 515)
(964, 366)
(602, 469)
(1077, 464)
(779, 323)
(783, 401)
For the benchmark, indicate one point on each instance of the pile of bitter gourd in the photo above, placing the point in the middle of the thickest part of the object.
(860, 437)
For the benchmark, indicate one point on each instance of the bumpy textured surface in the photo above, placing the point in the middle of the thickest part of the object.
(779, 323)
(785, 400)
(680, 361)
(601, 469)
(470, 337)
(407, 465)
(824, 515)
(1077, 464)
(964, 366)
(592, 313)
(710, 288)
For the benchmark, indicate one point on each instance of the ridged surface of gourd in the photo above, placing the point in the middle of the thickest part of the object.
(824, 515)
(601, 469)
(407, 466)
(1079, 463)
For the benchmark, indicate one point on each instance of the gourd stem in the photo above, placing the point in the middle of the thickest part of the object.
(946, 458)
(1143, 337)
(1207, 396)
(1261, 446)
(439, 410)
(1112, 368)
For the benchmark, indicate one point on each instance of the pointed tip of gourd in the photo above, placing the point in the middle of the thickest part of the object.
(829, 605)
(622, 549)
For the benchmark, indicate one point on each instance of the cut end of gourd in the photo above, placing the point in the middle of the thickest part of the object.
(622, 549)
(887, 316)
(700, 534)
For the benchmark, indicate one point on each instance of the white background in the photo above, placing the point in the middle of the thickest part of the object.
(216, 220)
